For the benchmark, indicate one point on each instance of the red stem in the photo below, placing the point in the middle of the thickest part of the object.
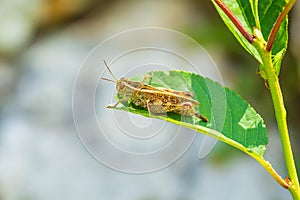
(278, 23)
(234, 20)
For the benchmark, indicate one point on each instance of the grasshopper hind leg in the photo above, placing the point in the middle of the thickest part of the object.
(187, 109)
(202, 117)
(155, 107)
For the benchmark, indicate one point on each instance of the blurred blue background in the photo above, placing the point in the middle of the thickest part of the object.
(42, 45)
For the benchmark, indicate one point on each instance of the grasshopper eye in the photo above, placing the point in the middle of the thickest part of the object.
(121, 85)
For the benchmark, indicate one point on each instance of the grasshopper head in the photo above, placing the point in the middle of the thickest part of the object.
(122, 88)
(121, 84)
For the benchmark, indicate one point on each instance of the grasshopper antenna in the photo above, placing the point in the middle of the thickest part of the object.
(110, 73)
(106, 79)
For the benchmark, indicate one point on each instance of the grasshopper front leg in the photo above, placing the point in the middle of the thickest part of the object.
(113, 106)
(117, 103)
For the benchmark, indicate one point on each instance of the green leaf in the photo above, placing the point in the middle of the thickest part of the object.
(261, 14)
(231, 119)
(268, 13)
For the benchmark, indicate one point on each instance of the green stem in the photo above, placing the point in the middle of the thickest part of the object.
(264, 50)
(271, 171)
(259, 159)
(280, 112)
(239, 146)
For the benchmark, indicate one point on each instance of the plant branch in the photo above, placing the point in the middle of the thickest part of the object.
(280, 112)
(259, 158)
(271, 171)
(234, 20)
(278, 23)
(264, 163)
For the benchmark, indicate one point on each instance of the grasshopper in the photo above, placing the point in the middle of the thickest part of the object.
(156, 100)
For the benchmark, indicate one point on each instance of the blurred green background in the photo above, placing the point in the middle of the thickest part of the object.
(43, 43)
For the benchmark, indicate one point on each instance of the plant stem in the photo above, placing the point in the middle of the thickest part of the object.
(262, 161)
(264, 49)
(278, 23)
(271, 171)
(239, 146)
(234, 20)
(280, 113)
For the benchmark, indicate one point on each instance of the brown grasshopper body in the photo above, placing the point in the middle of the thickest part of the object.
(156, 100)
